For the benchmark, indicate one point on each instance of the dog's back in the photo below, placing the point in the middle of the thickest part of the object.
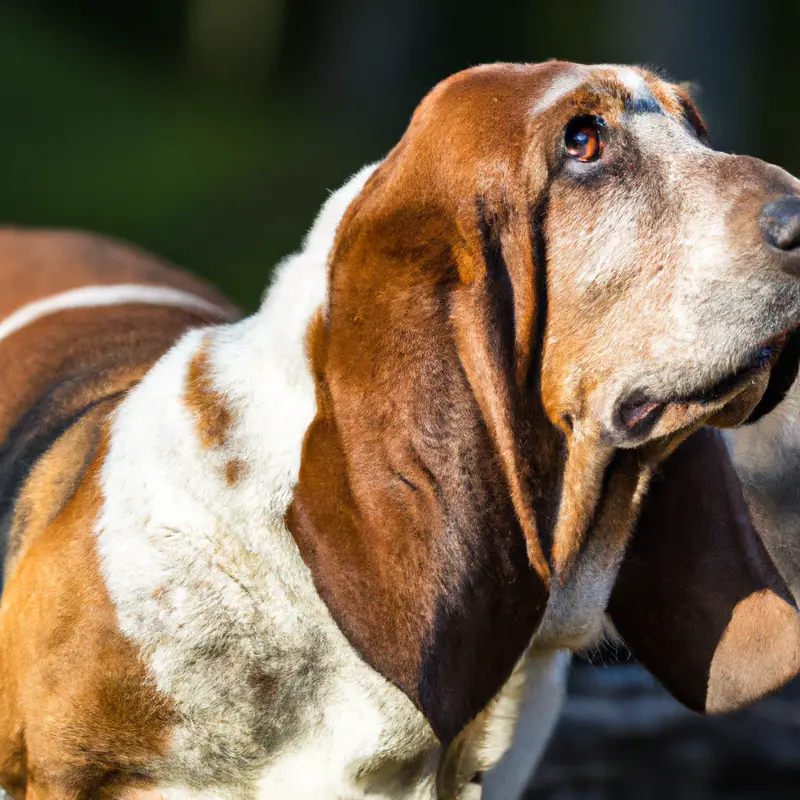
(81, 320)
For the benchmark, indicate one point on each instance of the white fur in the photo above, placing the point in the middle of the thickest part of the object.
(568, 82)
(631, 80)
(531, 719)
(112, 295)
(561, 86)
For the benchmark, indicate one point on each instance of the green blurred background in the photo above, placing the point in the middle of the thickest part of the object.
(210, 131)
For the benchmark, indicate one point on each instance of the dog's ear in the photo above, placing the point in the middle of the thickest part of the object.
(698, 600)
(430, 462)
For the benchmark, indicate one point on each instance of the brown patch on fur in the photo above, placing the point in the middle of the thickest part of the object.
(235, 470)
(584, 470)
(316, 348)
(84, 343)
(77, 699)
(207, 405)
(759, 652)
(92, 352)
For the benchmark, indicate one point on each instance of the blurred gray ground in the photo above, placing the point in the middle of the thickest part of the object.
(622, 736)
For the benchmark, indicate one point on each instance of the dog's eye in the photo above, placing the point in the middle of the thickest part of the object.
(583, 138)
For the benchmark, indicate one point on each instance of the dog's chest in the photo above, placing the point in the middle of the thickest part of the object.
(269, 699)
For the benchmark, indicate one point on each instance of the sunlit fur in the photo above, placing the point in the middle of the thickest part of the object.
(271, 700)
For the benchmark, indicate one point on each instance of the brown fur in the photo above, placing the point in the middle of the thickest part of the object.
(235, 470)
(104, 724)
(37, 263)
(53, 481)
(207, 405)
(89, 346)
(698, 599)
(79, 715)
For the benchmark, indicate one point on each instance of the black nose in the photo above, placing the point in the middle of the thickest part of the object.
(780, 223)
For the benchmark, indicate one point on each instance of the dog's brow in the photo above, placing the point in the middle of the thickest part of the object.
(561, 86)
(640, 98)
(630, 79)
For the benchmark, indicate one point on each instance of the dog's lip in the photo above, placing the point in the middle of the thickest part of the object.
(636, 414)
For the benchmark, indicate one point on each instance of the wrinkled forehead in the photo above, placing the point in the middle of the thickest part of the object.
(620, 88)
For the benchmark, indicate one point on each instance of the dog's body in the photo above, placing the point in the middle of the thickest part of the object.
(229, 576)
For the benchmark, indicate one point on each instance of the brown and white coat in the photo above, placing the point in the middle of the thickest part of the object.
(300, 555)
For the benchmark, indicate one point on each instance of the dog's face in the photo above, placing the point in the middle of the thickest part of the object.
(548, 284)
(588, 220)
(668, 301)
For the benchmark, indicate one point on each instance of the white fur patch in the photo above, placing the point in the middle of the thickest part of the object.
(632, 81)
(112, 295)
(561, 86)
(529, 709)
(579, 76)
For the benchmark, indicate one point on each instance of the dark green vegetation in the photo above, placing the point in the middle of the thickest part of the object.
(211, 131)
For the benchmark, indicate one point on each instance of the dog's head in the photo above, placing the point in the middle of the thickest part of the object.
(548, 284)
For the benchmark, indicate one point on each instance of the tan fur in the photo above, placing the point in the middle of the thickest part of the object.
(762, 622)
(104, 724)
(235, 470)
(79, 715)
(53, 481)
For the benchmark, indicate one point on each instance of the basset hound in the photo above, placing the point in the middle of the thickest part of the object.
(323, 551)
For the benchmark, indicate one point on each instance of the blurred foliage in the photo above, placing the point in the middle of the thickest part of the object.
(210, 131)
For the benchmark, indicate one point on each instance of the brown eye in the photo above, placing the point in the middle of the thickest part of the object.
(583, 138)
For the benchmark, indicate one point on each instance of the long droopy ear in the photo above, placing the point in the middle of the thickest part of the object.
(698, 600)
(430, 469)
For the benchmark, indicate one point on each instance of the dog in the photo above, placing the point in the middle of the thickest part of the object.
(322, 552)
